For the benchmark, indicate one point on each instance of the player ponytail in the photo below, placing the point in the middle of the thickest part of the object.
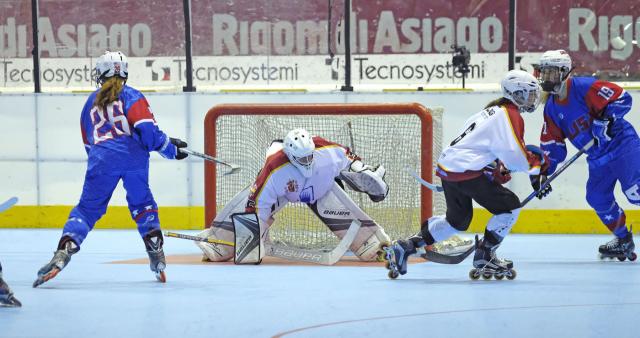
(498, 102)
(109, 91)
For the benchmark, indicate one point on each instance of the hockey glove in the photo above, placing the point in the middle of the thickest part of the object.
(497, 173)
(601, 131)
(171, 149)
(538, 181)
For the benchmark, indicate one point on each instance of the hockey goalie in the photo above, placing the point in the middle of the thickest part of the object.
(300, 169)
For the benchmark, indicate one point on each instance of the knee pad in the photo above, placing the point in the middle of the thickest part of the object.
(439, 229)
(216, 252)
(500, 225)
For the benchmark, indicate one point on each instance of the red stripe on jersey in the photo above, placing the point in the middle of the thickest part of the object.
(599, 95)
(551, 131)
(320, 142)
(139, 110)
(273, 162)
(516, 121)
(84, 134)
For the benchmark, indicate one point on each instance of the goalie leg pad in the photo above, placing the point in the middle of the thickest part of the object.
(216, 252)
(369, 249)
(249, 247)
(364, 178)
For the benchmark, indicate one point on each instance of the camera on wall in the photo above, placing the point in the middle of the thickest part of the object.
(461, 58)
(460, 61)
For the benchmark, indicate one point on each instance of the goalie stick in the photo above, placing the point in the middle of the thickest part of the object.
(234, 168)
(8, 203)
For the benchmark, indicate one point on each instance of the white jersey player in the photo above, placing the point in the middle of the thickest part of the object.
(302, 168)
(474, 167)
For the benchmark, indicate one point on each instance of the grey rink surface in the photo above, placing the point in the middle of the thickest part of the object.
(562, 290)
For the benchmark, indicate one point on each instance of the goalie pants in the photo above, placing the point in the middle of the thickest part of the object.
(100, 181)
(459, 197)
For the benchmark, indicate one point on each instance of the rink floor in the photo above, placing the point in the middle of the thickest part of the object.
(562, 290)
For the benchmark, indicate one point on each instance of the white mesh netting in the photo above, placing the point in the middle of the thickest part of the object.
(391, 140)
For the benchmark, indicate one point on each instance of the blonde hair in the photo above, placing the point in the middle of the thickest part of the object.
(109, 91)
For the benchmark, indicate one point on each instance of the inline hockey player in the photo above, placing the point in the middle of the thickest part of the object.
(302, 168)
(7, 299)
(473, 168)
(118, 130)
(582, 109)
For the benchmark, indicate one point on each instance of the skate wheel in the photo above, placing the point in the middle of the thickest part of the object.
(161, 277)
(393, 274)
(622, 259)
(499, 277)
(486, 276)
(512, 274)
(633, 256)
(474, 274)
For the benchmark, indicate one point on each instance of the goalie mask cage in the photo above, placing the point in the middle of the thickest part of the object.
(394, 135)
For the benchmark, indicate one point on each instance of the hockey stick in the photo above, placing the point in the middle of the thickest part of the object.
(8, 203)
(557, 172)
(198, 239)
(436, 257)
(234, 168)
(430, 186)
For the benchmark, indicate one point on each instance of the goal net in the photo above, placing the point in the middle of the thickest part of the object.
(394, 135)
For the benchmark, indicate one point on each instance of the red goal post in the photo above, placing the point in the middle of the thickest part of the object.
(228, 126)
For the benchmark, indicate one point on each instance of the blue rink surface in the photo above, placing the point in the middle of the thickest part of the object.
(562, 290)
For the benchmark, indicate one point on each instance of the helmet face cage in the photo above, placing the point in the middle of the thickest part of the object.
(299, 148)
(526, 100)
(554, 68)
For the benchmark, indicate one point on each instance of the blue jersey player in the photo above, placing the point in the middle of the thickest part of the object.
(582, 109)
(119, 131)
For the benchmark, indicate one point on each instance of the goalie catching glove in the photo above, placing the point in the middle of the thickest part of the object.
(364, 178)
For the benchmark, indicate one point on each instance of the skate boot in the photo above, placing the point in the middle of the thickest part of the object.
(397, 256)
(153, 242)
(6, 296)
(61, 258)
(620, 248)
(487, 264)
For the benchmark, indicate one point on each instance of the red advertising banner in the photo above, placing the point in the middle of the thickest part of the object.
(601, 36)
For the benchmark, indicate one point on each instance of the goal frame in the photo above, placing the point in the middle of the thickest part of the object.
(423, 113)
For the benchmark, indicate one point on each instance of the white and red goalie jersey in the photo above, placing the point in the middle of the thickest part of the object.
(493, 133)
(279, 178)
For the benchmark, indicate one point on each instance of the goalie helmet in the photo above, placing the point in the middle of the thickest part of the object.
(554, 68)
(111, 64)
(299, 147)
(522, 89)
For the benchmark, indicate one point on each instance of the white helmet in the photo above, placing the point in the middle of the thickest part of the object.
(522, 89)
(299, 147)
(554, 68)
(111, 64)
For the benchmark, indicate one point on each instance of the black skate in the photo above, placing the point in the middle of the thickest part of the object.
(153, 242)
(61, 258)
(6, 296)
(397, 257)
(487, 265)
(620, 248)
